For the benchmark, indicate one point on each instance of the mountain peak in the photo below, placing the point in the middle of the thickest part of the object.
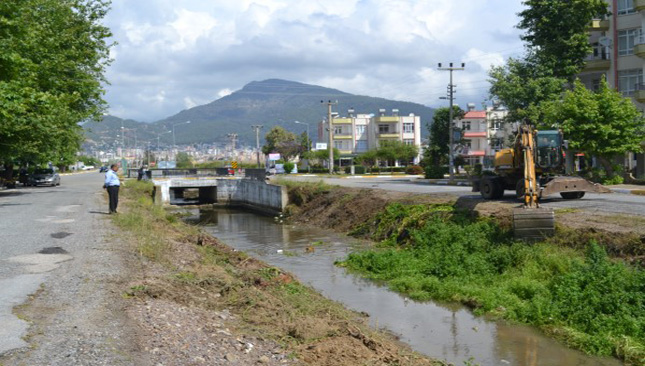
(284, 87)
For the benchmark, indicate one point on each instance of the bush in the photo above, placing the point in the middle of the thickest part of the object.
(414, 170)
(288, 167)
(435, 172)
(616, 179)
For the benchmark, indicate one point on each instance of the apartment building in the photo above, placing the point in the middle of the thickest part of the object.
(618, 54)
(484, 133)
(355, 133)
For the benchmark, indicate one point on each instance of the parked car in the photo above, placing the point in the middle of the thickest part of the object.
(45, 176)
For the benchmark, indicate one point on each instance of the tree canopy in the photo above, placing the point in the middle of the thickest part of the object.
(53, 55)
(279, 140)
(437, 151)
(557, 44)
(602, 123)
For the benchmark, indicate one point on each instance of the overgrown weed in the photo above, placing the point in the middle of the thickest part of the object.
(581, 297)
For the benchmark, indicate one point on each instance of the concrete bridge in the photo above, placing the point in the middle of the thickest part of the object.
(226, 191)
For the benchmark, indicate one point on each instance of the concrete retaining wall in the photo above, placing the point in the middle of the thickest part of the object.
(254, 194)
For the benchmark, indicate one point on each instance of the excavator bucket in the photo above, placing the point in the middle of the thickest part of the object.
(572, 184)
(533, 223)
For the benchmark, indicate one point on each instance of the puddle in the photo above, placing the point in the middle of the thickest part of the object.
(53, 250)
(448, 332)
(60, 235)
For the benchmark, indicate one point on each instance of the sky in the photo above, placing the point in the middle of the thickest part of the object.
(172, 55)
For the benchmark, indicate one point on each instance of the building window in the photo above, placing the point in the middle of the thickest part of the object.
(595, 84)
(465, 125)
(339, 145)
(338, 130)
(629, 81)
(408, 128)
(496, 124)
(360, 130)
(625, 7)
(626, 39)
(361, 146)
(408, 141)
(383, 128)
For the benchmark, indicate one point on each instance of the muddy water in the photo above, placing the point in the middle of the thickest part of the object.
(441, 331)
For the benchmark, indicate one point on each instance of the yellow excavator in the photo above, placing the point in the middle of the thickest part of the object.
(534, 168)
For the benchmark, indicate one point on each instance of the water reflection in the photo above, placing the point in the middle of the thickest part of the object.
(442, 331)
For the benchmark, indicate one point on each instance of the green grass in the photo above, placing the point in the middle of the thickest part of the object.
(581, 297)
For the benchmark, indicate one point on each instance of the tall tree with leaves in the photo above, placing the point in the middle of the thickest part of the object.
(603, 124)
(53, 55)
(557, 43)
(437, 152)
(279, 140)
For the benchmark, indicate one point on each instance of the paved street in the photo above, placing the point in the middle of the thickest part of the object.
(57, 240)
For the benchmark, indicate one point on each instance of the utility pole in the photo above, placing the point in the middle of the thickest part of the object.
(451, 91)
(257, 142)
(331, 135)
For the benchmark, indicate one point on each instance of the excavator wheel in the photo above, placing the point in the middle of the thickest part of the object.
(491, 188)
(572, 195)
(533, 224)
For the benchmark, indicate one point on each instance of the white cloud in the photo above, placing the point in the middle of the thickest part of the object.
(172, 54)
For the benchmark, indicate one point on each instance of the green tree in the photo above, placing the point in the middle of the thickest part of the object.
(367, 159)
(394, 150)
(279, 140)
(437, 152)
(603, 123)
(184, 160)
(53, 55)
(557, 43)
(556, 33)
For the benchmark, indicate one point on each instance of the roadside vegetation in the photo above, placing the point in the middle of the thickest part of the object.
(580, 297)
(194, 269)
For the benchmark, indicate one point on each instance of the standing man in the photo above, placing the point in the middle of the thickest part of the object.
(112, 184)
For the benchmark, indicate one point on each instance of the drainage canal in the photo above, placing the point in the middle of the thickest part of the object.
(448, 332)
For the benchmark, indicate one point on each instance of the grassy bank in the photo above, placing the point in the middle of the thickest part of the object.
(581, 297)
(187, 266)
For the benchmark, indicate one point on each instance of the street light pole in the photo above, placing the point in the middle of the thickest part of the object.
(331, 137)
(451, 90)
(257, 142)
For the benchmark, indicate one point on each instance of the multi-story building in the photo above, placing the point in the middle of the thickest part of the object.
(484, 134)
(358, 133)
(618, 44)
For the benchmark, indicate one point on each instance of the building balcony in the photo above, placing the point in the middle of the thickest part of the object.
(343, 136)
(391, 135)
(386, 119)
(639, 5)
(639, 93)
(475, 134)
(342, 121)
(639, 46)
(599, 25)
(597, 62)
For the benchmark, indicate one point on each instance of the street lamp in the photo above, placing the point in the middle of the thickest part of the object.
(308, 140)
(174, 145)
(159, 135)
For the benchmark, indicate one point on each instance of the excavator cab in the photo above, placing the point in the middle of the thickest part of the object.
(549, 157)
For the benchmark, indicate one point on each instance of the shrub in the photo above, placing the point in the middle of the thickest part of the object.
(358, 169)
(414, 170)
(435, 171)
(288, 167)
(616, 179)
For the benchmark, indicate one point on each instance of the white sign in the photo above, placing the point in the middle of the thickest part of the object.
(274, 156)
(321, 146)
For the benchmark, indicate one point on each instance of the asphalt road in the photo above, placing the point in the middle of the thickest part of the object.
(56, 241)
(615, 203)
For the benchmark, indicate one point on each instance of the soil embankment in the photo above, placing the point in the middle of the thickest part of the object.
(197, 301)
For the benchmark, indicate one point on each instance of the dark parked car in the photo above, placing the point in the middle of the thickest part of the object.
(44, 176)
